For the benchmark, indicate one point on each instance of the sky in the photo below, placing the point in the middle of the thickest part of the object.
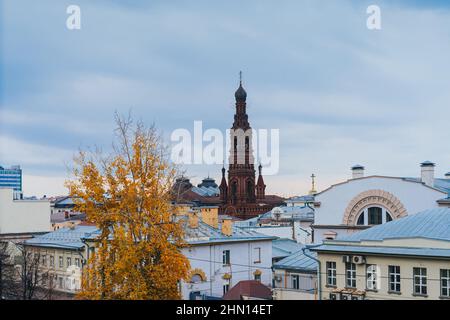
(339, 93)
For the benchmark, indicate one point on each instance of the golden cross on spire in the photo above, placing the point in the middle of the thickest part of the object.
(313, 184)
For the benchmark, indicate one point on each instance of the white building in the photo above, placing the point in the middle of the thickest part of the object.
(21, 217)
(361, 202)
(222, 255)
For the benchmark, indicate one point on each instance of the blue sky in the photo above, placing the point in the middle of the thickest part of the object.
(339, 93)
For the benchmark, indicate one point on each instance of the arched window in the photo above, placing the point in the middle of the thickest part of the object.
(196, 278)
(388, 217)
(375, 215)
(360, 221)
(249, 189)
(234, 191)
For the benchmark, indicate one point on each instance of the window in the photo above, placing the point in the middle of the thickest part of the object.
(375, 215)
(331, 273)
(360, 221)
(295, 282)
(69, 261)
(61, 262)
(257, 277)
(394, 278)
(372, 277)
(388, 217)
(226, 257)
(445, 283)
(196, 278)
(61, 283)
(44, 260)
(420, 281)
(226, 287)
(257, 255)
(350, 275)
(52, 261)
(77, 262)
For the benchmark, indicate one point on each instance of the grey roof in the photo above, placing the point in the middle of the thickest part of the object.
(430, 224)
(357, 166)
(205, 234)
(440, 184)
(422, 252)
(64, 238)
(282, 248)
(298, 261)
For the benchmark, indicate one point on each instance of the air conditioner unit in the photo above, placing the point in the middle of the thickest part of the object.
(333, 296)
(358, 260)
(278, 277)
(346, 296)
(357, 297)
(346, 259)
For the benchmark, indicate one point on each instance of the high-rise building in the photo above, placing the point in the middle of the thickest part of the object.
(12, 178)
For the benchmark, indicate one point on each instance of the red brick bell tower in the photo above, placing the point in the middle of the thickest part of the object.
(242, 196)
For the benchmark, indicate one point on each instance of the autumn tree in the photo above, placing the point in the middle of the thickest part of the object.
(127, 195)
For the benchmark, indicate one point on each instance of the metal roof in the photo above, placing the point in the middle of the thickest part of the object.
(430, 224)
(64, 238)
(205, 234)
(298, 261)
(282, 248)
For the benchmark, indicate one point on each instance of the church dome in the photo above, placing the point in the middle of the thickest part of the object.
(240, 94)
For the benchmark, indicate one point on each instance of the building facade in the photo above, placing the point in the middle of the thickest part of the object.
(404, 259)
(20, 217)
(221, 255)
(365, 201)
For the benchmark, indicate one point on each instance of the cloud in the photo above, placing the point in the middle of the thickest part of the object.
(334, 89)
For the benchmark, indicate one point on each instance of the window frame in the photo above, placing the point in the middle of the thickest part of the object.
(394, 279)
(350, 275)
(226, 257)
(295, 281)
(258, 255)
(331, 273)
(372, 277)
(420, 274)
(443, 278)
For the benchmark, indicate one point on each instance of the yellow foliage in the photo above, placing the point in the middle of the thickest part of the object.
(127, 195)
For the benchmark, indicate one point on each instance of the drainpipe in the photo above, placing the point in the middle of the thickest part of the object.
(319, 286)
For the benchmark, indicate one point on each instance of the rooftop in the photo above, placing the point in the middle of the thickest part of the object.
(282, 248)
(298, 261)
(248, 289)
(433, 224)
(64, 238)
(429, 224)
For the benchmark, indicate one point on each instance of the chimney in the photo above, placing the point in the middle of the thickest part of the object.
(427, 173)
(357, 171)
(227, 227)
(193, 220)
(210, 216)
